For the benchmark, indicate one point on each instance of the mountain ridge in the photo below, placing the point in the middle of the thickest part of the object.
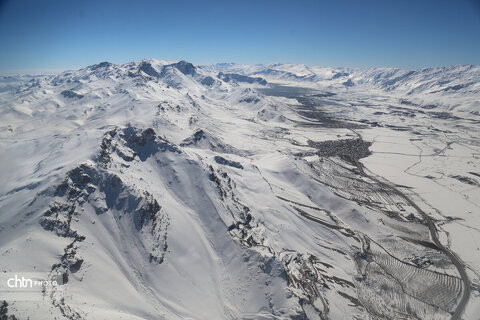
(161, 189)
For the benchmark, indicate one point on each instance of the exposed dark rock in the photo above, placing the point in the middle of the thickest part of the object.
(108, 194)
(147, 211)
(198, 135)
(4, 312)
(100, 65)
(455, 87)
(148, 69)
(393, 81)
(475, 174)
(203, 139)
(466, 180)
(71, 94)
(223, 161)
(185, 67)
(208, 81)
(443, 115)
(429, 106)
(339, 75)
(145, 143)
(74, 267)
(130, 142)
(249, 100)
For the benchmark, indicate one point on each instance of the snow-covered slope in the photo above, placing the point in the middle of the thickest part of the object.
(163, 190)
(454, 87)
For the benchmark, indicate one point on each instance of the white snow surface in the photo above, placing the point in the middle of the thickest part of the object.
(162, 191)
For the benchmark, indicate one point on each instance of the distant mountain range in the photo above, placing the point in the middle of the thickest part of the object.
(164, 190)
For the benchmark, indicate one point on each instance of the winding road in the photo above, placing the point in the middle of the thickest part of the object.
(456, 315)
(317, 117)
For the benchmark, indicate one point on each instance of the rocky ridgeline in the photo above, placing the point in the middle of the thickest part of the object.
(107, 193)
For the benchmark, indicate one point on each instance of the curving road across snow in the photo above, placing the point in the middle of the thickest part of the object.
(459, 264)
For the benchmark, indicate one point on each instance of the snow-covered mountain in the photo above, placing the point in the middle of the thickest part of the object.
(163, 190)
(445, 87)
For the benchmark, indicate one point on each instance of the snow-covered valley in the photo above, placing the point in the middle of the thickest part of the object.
(163, 190)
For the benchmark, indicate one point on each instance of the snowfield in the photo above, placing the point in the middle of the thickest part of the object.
(163, 190)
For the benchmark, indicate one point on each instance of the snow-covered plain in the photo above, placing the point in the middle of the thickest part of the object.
(164, 190)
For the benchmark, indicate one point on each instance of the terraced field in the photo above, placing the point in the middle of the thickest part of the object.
(407, 289)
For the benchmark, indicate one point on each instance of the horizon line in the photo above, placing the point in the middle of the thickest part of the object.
(52, 71)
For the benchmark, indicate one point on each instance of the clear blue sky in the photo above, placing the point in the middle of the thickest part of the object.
(398, 33)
